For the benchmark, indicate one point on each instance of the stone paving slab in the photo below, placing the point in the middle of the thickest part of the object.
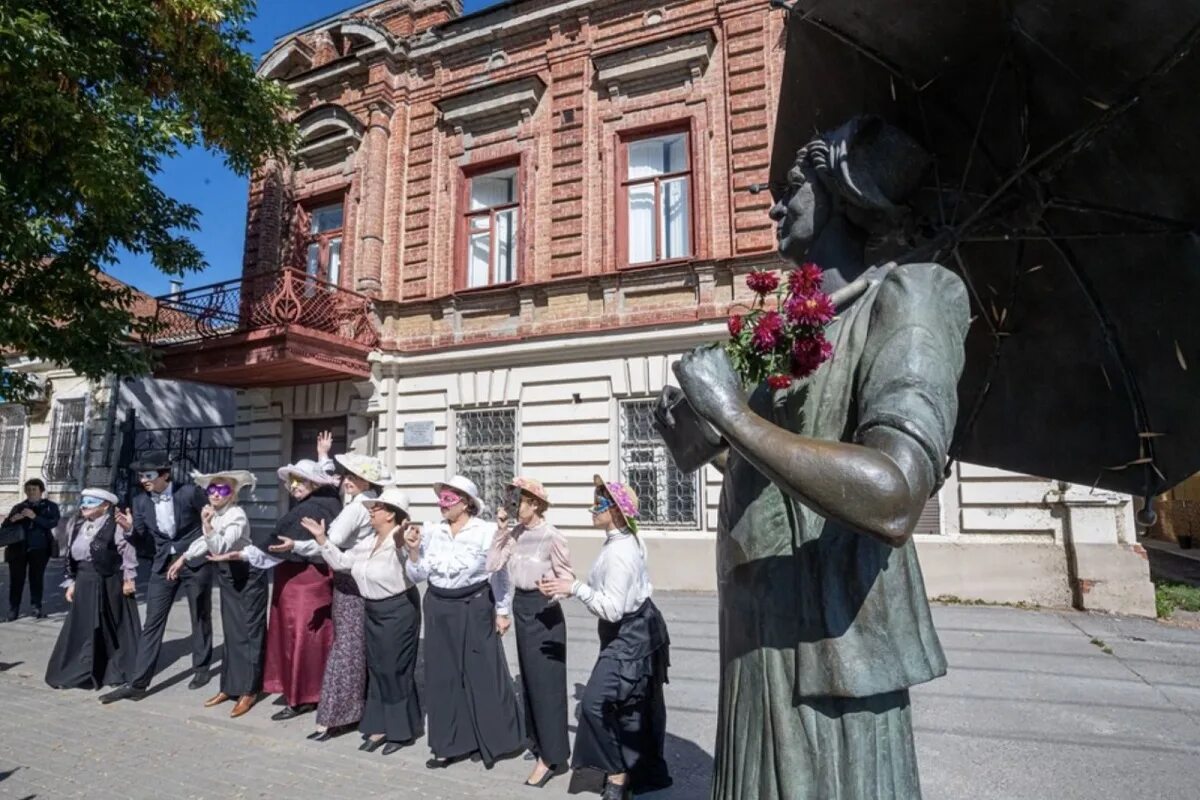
(1031, 708)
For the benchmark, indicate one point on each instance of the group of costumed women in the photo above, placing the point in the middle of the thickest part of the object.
(340, 631)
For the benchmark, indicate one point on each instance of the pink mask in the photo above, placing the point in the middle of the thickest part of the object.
(448, 499)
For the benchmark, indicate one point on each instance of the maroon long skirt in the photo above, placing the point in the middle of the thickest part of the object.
(300, 632)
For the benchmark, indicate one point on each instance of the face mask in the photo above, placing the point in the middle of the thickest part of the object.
(602, 504)
(147, 476)
(90, 502)
(448, 499)
(219, 490)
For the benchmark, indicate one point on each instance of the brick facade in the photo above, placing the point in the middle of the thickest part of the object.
(393, 69)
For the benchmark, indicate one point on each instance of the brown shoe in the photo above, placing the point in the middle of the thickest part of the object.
(244, 704)
(216, 700)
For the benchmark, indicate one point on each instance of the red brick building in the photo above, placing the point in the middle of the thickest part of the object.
(542, 205)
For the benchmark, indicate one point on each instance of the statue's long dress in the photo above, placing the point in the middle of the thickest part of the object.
(823, 630)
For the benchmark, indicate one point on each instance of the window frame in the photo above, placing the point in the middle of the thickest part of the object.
(624, 463)
(463, 226)
(324, 239)
(460, 417)
(22, 436)
(624, 138)
(75, 460)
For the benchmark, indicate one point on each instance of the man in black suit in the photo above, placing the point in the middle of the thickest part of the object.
(167, 518)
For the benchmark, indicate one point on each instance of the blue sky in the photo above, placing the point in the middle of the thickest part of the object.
(201, 179)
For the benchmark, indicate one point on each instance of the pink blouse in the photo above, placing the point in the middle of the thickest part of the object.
(530, 554)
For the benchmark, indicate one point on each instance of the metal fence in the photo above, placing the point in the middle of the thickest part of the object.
(206, 448)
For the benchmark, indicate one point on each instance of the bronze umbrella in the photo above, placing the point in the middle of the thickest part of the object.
(1064, 193)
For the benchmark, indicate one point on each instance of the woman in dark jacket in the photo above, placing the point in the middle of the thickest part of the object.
(97, 645)
(300, 627)
(39, 517)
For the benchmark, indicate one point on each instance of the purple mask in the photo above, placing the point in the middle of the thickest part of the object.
(219, 489)
(448, 499)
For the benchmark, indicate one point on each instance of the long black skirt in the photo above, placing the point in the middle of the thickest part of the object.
(98, 644)
(244, 597)
(393, 628)
(623, 715)
(542, 656)
(471, 705)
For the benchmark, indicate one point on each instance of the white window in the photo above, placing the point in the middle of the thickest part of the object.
(63, 459)
(324, 261)
(667, 498)
(492, 216)
(486, 451)
(657, 188)
(12, 442)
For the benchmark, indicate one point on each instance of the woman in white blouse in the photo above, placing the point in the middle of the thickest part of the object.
(622, 715)
(471, 704)
(243, 587)
(393, 621)
(344, 686)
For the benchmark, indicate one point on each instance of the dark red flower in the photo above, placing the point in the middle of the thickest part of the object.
(735, 325)
(812, 309)
(767, 331)
(805, 279)
(762, 282)
(808, 353)
(779, 381)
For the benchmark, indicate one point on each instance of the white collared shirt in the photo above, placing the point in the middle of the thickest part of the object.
(379, 574)
(230, 532)
(164, 512)
(349, 527)
(455, 562)
(618, 583)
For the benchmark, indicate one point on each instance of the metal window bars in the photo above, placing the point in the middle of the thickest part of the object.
(486, 452)
(667, 497)
(12, 442)
(66, 439)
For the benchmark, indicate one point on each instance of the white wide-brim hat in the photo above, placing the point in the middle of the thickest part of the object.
(390, 496)
(238, 477)
(369, 468)
(464, 486)
(101, 494)
(309, 470)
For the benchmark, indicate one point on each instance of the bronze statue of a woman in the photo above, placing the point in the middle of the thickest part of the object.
(823, 617)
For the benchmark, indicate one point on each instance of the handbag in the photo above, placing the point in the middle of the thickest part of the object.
(11, 533)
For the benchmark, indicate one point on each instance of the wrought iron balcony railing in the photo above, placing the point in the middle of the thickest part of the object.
(287, 297)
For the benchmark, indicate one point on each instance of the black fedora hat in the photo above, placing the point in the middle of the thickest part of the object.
(155, 460)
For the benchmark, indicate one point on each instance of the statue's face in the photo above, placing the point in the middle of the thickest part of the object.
(800, 214)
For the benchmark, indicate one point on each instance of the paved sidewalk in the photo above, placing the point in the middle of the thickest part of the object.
(1033, 708)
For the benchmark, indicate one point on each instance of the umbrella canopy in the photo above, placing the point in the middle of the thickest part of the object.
(1064, 193)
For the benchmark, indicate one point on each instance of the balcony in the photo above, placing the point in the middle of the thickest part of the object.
(281, 328)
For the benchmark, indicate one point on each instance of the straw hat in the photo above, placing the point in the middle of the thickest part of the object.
(624, 497)
(464, 486)
(531, 487)
(308, 470)
(369, 468)
(391, 496)
(237, 477)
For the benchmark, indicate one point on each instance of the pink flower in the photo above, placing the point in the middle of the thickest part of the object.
(767, 331)
(814, 309)
(735, 325)
(805, 279)
(808, 353)
(779, 381)
(762, 282)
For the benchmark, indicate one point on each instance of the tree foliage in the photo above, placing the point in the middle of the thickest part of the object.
(94, 95)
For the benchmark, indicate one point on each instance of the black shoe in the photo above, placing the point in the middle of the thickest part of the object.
(126, 692)
(12, 616)
(200, 678)
(614, 791)
(291, 712)
(371, 745)
(553, 772)
(38, 613)
(328, 733)
(442, 763)
(394, 746)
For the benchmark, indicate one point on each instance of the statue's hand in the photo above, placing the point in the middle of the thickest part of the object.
(711, 385)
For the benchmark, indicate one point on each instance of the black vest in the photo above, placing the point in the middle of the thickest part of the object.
(106, 559)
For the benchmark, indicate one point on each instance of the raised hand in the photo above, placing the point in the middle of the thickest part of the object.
(412, 540)
(124, 518)
(324, 444)
(285, 545)
(315, 527)
(206, 515)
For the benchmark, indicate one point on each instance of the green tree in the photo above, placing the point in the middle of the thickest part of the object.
(94, 94)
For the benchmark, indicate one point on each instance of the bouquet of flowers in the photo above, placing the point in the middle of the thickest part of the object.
(787, 340)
